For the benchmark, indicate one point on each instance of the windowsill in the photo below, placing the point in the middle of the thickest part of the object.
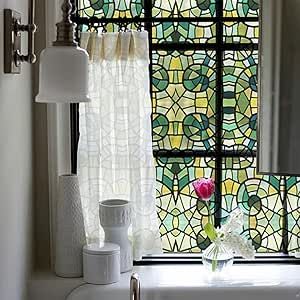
(193, 258)
(45, 285)
(273, 281)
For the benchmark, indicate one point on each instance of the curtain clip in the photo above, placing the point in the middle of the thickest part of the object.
(104, 29)
(138, 26)
(123, 27)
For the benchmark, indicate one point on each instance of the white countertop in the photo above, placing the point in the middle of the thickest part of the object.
(261, 281)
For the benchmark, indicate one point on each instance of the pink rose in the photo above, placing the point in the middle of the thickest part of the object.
(204, 188)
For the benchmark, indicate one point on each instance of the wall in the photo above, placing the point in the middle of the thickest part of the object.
(41, 203)
(16, 168)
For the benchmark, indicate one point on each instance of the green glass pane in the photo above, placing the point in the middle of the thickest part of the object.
(241, 8)
(111, 8)
(184, 32)
(183, 100)
(259, 197)
(182, 216)
(241, 32)
(183, 8)
(240, 100)
(293, 211)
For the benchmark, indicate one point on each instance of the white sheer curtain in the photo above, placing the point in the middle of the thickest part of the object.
(115, 149)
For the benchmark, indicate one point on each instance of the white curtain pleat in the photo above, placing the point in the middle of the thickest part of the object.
(115, 149)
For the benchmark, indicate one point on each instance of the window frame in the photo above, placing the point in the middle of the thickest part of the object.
(219, 47)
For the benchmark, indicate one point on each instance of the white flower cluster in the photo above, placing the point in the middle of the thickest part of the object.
(239, 245)
(234, 223)
(230, 235)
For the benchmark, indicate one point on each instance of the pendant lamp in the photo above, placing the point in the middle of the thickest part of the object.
(64, 66)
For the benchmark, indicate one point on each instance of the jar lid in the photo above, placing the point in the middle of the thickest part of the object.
(101, 249)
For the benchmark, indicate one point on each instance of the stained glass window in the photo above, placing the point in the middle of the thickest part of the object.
(260, 199)
(186, 32)
(240, 8)
(183, 100)
(183, 8)
(182, 216)
(205, 100)
(111, 8)
(239, 100)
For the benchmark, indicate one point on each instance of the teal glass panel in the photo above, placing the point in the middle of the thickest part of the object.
(111, 8)
(293, 212)
(183, 100)
(240, 100)
(241, 8)
(182, 216)
(260, 199)
(241, 32)
(184, 32)
(183, 8)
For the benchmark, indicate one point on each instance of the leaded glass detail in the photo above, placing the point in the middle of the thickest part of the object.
(241, 32)
(181, 215)
(240, 100)
(240, 8)
(184, 32)
(183, 8)
(186, 119)
(293, 210)
(259, 197)
(183, 100)
(111, 8)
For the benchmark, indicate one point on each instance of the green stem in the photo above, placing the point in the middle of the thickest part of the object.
(210, 219)
(214, 260)
(216, 250)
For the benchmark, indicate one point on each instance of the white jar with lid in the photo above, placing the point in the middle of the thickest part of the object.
(101, 263)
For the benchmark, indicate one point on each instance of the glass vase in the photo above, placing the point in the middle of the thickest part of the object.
(217, 258)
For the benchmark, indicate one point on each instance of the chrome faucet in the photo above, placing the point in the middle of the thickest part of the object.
(135, 288)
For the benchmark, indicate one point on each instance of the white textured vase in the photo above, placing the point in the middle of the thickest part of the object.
(115, 218)
(70, 234)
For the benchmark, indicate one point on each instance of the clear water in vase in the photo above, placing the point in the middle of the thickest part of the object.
(217, 258)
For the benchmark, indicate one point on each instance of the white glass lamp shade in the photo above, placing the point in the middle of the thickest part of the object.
(63, 75)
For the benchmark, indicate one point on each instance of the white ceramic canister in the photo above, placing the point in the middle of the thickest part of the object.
(115, 218)
(101, 263)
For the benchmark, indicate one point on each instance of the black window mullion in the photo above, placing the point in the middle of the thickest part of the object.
(212, 46)
(148, 27)
(219, 112)
(150, 19)
(203, 153)
(74, 107)
(285, 229)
